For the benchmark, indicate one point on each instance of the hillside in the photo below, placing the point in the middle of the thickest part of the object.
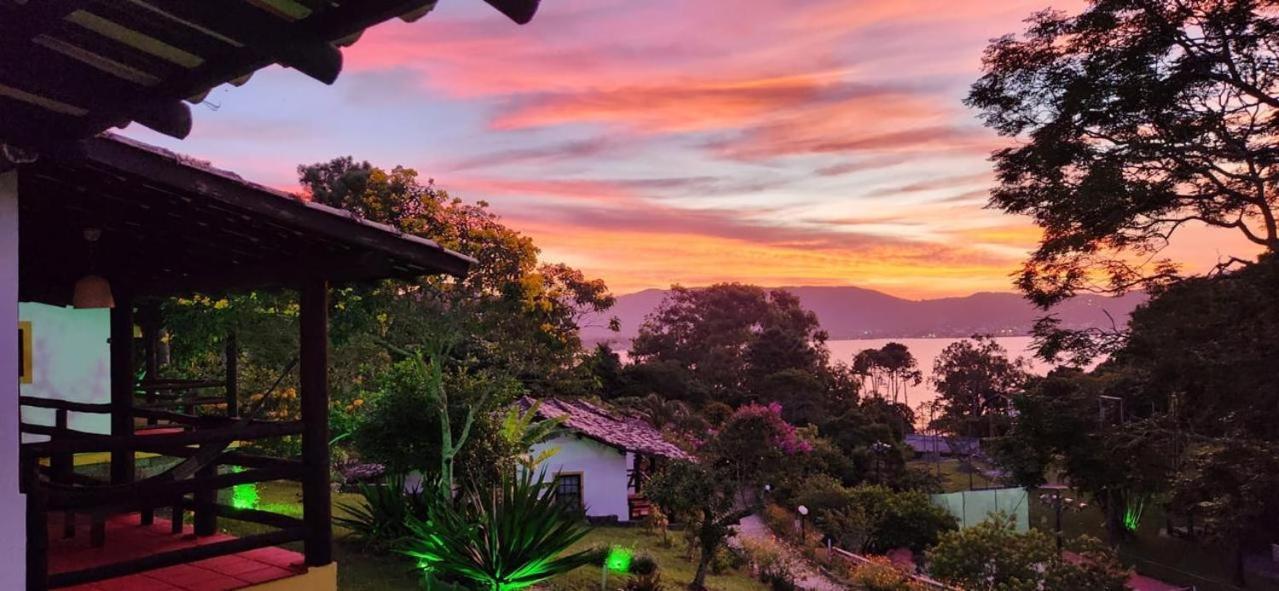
(854, 312)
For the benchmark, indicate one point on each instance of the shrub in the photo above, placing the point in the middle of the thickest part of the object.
(770, 560)
(877, 520)
(992, 556)
(500, 540)
(380, 522)
(912, 521)
(779, 520)
(645, 575)
(820, 492)
(882, 575)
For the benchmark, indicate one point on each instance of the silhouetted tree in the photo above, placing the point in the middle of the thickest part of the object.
(975, 381)
(1137, 118)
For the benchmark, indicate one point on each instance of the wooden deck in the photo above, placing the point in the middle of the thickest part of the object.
(128, 539)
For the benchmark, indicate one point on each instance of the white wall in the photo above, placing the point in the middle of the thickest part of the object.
(71, 361)
(13, 536)
(603, 470)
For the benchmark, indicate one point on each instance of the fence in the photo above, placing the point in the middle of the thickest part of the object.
(971, 507)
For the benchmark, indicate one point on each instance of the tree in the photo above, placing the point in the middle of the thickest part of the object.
(1069, 422)
(1136, 118)
(992, 556)
(975, 381)
(754, 447)
(730, 337)
(891, 368)
(514, 312)
(1156, 113)
(696, 494)
(1230, 485)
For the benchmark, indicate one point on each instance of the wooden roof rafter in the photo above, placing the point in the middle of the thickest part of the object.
(70, 69)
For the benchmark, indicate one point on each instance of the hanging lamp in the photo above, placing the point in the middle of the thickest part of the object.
(92, 290)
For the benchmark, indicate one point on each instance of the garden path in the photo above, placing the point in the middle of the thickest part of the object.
(807, 576)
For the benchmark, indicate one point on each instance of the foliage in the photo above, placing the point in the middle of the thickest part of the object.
(422, 406)
(880, 574)
(754, 445)
(1097, 568)
(645, 575)
(521, 430)
(697, 496)
(876, 519)
(772, 562)
(500, 540)
(1230, 485)
(729, 338)
(1137, 118)
(992, 556)
(975, 381)
(778, 519)
(888, 371)
(380, 521)
(820, 492)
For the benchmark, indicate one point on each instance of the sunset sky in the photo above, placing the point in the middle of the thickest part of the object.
(778, 142)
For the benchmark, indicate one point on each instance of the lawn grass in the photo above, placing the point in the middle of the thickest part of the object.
(955, 476)
(676, 568)
(364, 571)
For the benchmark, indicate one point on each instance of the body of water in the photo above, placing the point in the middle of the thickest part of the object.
(925, 352)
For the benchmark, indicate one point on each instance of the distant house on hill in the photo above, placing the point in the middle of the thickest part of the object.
(603, 457)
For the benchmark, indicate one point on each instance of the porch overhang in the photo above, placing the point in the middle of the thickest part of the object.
(171, 225)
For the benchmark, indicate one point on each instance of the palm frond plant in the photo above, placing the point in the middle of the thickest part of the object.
(504, 539)
(522, 430)
(379, 520)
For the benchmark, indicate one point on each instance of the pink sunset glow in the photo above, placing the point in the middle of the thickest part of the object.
(778, 142)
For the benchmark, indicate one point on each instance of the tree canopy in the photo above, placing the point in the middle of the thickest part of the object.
(1136, 118)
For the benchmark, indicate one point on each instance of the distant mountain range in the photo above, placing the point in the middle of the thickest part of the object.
(857, 313)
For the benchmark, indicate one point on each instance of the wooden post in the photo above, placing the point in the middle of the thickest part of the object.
(204, 517)
(37, 531)
(149, 318)
(63, 467)
(232, 375)
(314, 340)
(122, 383)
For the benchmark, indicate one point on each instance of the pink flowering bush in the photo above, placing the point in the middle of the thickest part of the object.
(756, 446)
(768, 420)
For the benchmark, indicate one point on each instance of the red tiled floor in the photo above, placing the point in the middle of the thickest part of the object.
(127, 538)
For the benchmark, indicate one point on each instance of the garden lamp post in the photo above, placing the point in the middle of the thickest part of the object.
(803, 513)
(879, 448)
(1057, 499)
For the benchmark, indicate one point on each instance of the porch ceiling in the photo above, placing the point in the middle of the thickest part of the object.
(172, 226)
(70, 69)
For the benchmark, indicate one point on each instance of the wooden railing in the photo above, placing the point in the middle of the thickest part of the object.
(64, 490)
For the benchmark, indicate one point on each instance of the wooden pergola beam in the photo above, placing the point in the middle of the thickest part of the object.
(520, 11)
(264, 34)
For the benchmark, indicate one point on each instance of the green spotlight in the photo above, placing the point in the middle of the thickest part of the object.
(244, 496)
(618, 559)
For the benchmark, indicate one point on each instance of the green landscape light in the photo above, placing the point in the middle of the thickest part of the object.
(618, 559)
(244, 496)
(1132, 514)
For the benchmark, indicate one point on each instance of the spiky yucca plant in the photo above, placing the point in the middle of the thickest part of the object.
(503, 539)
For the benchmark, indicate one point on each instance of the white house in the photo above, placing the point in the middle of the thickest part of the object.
(602, 457)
